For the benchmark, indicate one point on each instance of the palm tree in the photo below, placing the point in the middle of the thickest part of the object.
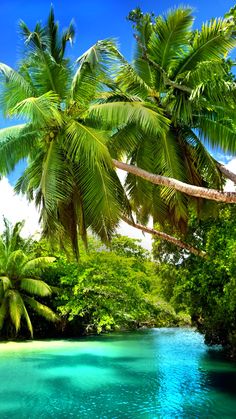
(152, 110)
(20, 282)
(69, 172)
(182, 74)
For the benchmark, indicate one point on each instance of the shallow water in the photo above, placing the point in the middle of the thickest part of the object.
(157, 373)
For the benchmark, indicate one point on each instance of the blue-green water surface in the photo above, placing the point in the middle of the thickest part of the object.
(156, 373)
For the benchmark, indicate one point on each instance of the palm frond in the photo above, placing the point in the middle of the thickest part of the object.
(148, 118)
(82, 141)
(100, 202)
(94, 65)
(170, 37)
(211, 43)
(15, 88)
(130, 82)
(41, 309)
(35, 286)
(28, 321)
(37, 264)
(3, 312)
(67, 36)
(217, 132)
(124, 140)
(40, 110)
(204, 164)
(14, 262)
(55, 183)
(16, 143)
(46, 74)
(144, 30)
(30, 180)
(16, 305)
(205, 71)
(36, 40)
(56, 41)
(6, 283)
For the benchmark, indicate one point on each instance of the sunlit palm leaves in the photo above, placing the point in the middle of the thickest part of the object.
(69, 172)
(154, 112)
(18, 278)
(182, 75)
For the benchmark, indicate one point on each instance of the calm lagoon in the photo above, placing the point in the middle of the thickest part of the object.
(155, 373)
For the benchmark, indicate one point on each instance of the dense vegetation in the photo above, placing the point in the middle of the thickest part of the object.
(151, 118)
(204, 287)
(110, 289)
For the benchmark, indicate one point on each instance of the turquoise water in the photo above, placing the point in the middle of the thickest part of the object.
(157, 373)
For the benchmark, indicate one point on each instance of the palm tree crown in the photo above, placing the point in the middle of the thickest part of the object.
(19, 280)
(69, 171)
(184, 78)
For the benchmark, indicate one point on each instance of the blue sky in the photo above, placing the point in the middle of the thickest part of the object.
(94, 19)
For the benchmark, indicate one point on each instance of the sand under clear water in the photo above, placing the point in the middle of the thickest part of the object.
(156, 373)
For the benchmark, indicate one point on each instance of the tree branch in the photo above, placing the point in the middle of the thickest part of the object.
(166, 237)
(192, 190)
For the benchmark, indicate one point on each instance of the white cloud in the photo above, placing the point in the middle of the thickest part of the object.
(229, 186)
(16, 208)
(126, 230)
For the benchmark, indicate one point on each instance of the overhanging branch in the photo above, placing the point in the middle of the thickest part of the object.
(165, 237)
(192, 190)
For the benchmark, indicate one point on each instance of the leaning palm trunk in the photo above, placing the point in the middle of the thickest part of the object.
(166, 237)
(192, 190)
(227, 173)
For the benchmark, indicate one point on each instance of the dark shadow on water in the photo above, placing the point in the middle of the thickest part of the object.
(55, 360)
(218, 354)
(222, 381)
(122, 367)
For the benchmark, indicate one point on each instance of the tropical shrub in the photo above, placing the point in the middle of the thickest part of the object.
(20, 282)
(206, 288)
(109, 292)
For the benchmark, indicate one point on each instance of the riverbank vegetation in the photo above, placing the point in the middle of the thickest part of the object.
(112, 288)
(155, 119)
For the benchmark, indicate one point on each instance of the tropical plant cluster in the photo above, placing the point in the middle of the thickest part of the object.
(204, 287)
(110, 289)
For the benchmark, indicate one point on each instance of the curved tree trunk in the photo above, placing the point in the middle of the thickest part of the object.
(226, 172)
(166, 237)
(192, 190)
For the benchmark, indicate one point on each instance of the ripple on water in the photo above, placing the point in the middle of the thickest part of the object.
(158, 373)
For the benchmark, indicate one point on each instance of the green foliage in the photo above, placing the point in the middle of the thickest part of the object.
(157, 113)
(69, 173)
(125, 246)
(110, 289)
(20, 275)
(206, 288)
(187, 74)
(110, 292)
